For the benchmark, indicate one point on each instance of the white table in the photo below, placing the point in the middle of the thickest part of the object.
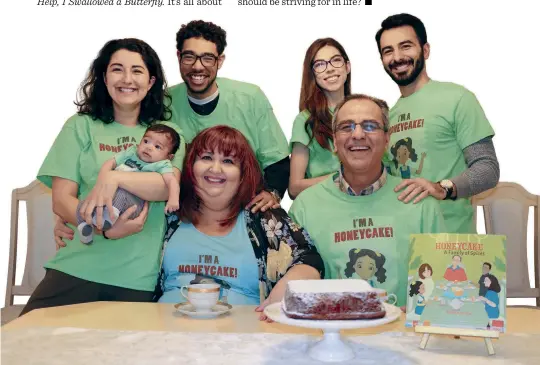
(143, 333)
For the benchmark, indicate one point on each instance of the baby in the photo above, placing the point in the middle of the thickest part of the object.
(153, 154)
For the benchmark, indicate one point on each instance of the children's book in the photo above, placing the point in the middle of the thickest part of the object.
(458, 281)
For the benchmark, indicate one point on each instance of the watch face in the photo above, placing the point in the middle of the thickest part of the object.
(446, 184)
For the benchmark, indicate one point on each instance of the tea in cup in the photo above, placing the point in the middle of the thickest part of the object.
(385, 297)
(202, 296)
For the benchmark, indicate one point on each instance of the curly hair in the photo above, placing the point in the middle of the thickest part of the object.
(94, 99)
(415, 288)
(379, 259)
(313, 99)
(199, 28)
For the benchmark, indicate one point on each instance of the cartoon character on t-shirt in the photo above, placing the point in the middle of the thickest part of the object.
(402, 152)
(367, 265)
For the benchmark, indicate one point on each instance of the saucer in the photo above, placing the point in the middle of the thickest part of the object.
(189, 310)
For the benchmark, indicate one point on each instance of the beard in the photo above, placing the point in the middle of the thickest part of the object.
(198, 92)
(407, 79)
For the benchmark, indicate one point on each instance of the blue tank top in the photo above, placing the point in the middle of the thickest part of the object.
(193, 257)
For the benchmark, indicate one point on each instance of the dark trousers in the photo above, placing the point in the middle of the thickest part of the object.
(57, 289)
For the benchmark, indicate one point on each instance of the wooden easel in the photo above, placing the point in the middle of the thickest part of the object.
(457, 332)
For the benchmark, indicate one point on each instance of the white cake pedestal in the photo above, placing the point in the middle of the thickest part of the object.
(331, 348)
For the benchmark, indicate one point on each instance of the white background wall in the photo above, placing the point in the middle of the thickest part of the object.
(488, 46)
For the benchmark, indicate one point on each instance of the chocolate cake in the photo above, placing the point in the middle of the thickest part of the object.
(332, 299)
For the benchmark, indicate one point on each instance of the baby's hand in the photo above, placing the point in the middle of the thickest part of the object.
(171, 206)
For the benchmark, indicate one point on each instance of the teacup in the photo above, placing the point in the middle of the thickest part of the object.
(202, 296)
(385, 297)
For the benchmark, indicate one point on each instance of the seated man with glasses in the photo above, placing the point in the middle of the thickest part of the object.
(358, 226)
(203, 100)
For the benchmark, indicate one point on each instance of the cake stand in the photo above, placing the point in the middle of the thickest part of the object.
(331, 348)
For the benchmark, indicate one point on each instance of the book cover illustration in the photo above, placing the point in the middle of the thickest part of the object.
(458, 281)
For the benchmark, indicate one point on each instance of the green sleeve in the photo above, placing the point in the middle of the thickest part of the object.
(164, 167)
(273, 146)
(432, 217)
(296, 212)
(122, 156)
(299, 133)
(471, 123)
(176, 100)
(63, 157)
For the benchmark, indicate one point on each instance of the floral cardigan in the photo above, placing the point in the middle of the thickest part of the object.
(278, 244)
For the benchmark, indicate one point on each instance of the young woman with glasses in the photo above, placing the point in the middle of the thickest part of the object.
(326, 80)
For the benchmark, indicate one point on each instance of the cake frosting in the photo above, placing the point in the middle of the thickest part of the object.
(332, 299)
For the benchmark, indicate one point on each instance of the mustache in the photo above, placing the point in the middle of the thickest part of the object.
(400, 63)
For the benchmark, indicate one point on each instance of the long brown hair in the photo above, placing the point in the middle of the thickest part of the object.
(312, 97)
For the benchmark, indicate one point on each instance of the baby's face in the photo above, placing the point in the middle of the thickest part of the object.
(154, 147)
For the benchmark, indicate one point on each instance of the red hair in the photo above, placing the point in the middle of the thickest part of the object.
(230, 142)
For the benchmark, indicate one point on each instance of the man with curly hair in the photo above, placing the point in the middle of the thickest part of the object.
(204, 100)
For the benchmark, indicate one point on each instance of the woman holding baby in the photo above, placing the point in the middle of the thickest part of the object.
(122, 95)
(252, 255)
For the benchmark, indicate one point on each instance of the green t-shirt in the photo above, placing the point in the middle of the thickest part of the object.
(321, 161)
(429, 130)
(79, 151)
(241, 106)
(365, 237)
(127, 160)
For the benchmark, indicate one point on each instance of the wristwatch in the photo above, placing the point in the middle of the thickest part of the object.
(448, 186)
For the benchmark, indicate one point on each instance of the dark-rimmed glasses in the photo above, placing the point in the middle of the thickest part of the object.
(319, 66)
(368, 126)
(207, 59)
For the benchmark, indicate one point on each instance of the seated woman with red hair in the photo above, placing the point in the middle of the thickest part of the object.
(214, 238)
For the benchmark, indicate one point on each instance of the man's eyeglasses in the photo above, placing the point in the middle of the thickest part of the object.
(319, 66)
(368, 126)
(207, 59)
